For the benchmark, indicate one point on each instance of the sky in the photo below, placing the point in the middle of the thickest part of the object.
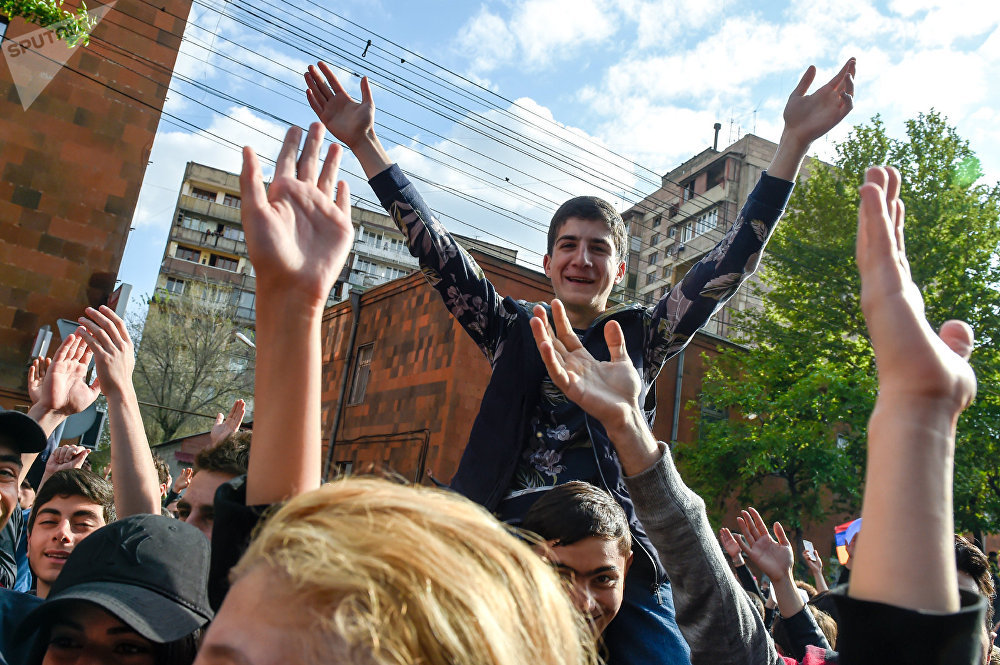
(503, 109)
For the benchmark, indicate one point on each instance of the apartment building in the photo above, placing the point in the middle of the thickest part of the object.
(673, 228)
(206, 256)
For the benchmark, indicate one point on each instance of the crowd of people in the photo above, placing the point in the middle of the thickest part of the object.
(567, 535)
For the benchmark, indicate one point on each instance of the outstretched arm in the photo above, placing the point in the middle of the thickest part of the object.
(809, 117)
(774, 558)
(137, 486)
(925, 382)
(298, 235)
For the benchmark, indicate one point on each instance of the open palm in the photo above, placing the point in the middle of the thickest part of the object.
(605, 390)
(299, 229)
(773, 557)
(347, 119)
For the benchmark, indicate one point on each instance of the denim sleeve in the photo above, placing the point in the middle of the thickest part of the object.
(467, 293)
(713, 280)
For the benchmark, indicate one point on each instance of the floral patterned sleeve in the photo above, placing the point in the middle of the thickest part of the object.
(675, 319)
(467, 293)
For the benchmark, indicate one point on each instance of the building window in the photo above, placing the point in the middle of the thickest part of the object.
(636, 243)
(223, 262)
(202, 194)
(656, 221)
(666, 272)
(362, 368)
(655, 240)
(672, 232)
(233, 233)
(175, 286)
(686, 232)
(706, 222)
(344, 468)
(231, 200)
(187, 254)
(653, 258)
(650, 278)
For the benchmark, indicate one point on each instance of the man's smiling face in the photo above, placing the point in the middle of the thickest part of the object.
(583, 266)
(10, 470)
(594, 569)
(59, 525)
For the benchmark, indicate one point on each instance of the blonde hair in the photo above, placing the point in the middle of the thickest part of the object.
(413, 575)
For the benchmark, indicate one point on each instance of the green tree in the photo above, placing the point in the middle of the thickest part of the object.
(800, 396)
(189, 362)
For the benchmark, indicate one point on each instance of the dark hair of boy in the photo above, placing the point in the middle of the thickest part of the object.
(592, 209)
(230, 456)
(970, 560)
(162, 470)
(573, 511)
(76, 482)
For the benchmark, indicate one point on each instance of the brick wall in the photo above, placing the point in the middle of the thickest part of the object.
(70, 170)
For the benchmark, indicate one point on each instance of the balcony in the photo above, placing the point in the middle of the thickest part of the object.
(207, 274)
(209, 208)
(210, 240)
(399, 256)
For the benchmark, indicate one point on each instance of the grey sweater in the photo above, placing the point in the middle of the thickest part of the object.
(713, 611)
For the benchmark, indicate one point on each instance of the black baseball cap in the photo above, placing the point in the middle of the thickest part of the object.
(21, 432)
(149, 571)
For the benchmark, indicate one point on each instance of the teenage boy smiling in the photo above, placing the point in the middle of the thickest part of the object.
(528, 436)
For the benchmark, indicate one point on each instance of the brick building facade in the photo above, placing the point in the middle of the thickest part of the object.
(71, 165)
(415, 379)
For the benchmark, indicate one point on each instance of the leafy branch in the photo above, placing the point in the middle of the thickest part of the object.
(73, 28)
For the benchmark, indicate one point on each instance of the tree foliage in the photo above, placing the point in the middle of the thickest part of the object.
(800, 396)
(190, 361)
(72, 27)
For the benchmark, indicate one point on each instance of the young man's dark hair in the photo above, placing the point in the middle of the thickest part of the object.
(162, 470)
(230, 456)
(76, 482)
(590, 208)
(568, 513)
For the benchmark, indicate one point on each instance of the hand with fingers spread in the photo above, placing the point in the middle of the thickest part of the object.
(299, 229)
(810, 116)
(773, 556)
(114, 355)
(63, 389)
(351, 122)
(226, 425)
(732, 546)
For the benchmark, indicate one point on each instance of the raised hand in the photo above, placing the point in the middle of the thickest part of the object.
(114, 354)
(609, 390)
(913, 362)
(810, 116)
(731, 545)
(773, 557)
(183, 480)
(298, 234)
(63, 389)
(350, 121)
(36, 372)
(226, 425)
(64, 457)
(814, 562)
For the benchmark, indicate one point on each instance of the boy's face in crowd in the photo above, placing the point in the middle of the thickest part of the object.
(10, 469)
(584, 265)
(197, 507)
(84, 633)
(595, 570)
(59, 526)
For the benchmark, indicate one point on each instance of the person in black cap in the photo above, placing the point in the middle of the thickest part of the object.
(19, 435)
(137, 587)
